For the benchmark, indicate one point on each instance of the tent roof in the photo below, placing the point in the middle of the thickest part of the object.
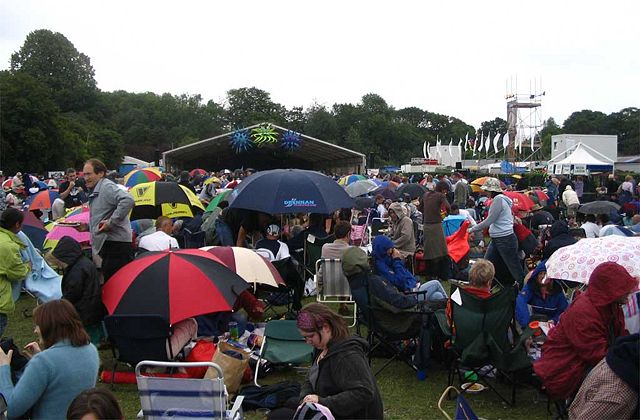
(584, 155)
(217, 153)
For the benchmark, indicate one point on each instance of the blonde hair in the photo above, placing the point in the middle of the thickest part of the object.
(481, 273)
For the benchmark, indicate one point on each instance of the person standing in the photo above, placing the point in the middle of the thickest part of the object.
(72, 194)
(460, 191)
(503, 248)
(435, 246)
(109, 224)
(12, 268)
(571, 201)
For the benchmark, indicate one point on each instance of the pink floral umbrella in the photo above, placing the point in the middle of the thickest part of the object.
(576, 262)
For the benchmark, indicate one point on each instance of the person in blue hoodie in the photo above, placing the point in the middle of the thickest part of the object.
(388, 264)
(545, 297)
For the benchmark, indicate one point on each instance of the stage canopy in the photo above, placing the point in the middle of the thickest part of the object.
(265, 146)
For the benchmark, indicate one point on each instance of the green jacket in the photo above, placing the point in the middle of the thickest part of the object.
(12, 268)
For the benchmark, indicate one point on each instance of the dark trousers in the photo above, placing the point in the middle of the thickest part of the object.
(503, 253)
(115, 255)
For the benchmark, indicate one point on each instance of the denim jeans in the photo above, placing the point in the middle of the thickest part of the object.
(503, 253)
(433, 291)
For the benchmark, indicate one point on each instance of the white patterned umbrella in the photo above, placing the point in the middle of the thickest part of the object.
(576, 262)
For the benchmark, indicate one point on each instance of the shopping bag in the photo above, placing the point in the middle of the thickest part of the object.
(233, 362)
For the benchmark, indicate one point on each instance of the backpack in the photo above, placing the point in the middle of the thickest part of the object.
(269, 396)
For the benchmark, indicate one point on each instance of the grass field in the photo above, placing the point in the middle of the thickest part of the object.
(404, 396)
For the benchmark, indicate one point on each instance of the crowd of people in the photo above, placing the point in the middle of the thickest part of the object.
(405, 265)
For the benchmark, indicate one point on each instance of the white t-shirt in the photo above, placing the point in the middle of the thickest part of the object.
(158, 241)
(591, 229)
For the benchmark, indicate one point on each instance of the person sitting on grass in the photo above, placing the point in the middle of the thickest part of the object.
(67, 365)
(544, 295)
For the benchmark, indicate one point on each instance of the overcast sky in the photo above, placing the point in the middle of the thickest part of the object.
(450, 57)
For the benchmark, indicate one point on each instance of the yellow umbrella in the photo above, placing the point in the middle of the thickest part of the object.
(155, 199)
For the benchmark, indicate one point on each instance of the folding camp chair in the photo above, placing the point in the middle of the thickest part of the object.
(194, 239)
(313, 252)
(332, 285)
(169, 397)
(282, 344)
(480, 337)
(138, 337)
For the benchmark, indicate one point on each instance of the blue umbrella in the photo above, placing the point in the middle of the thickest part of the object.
(282, 191)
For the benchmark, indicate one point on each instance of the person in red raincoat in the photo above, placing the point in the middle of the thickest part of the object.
(585, 331)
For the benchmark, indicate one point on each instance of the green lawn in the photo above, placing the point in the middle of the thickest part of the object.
(404, 397)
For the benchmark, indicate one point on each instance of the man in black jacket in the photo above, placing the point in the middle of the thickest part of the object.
(81, 285)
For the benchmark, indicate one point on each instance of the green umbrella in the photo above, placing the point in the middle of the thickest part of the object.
(222, 195)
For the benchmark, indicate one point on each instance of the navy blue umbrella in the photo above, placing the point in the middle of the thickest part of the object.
(282, 191)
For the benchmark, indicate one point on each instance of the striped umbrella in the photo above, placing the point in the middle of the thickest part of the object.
(249, 265)
(139, 176)
(173, 284)
(348, 179)
(60, 230)
(41, 201)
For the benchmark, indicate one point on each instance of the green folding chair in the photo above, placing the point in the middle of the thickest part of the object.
(283, 345)
(480, 336)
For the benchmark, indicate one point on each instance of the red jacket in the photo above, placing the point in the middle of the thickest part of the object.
(583, 334)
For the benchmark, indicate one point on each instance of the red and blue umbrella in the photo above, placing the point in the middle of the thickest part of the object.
(42, 200)
(34, 229)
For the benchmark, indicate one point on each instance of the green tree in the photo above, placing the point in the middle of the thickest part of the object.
(248, 106)
(626, 125)
(52, 59)
(549, 128)
(497, 125)
(321, 124)
(586, 122)
(30, 134)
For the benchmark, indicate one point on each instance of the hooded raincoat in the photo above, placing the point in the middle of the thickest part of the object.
(402, 233)
(585, 331)
(12, 268)
(390, 268)
(560, 237)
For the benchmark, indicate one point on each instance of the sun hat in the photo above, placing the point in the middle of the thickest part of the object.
(491, 184)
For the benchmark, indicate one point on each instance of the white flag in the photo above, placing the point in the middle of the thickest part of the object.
(519, 141)
(466, 141)
(424, 150)
(481, 145)
(475, 144)
(450, 148)
(487, 142)
(505, 140)
(460, 149)
(532, 137)
(438, 151)
(495, 142)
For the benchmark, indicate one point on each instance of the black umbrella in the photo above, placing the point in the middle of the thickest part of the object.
(283, 191)
(414, 190)
(599, 207)
(387, 192)
(362, 203)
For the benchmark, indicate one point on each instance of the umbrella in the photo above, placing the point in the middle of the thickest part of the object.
(477, 183)
(362, 187)
(221, 196)
(414, 190)
(140, 176)
(59, 231)
(73, 211)
(41, 201)
(173, 284)
(282, 191)
(538, 197)
(350, 179)
(155, 199)
(362, 203)
(576, 262)
(599, 207)
(197, 171)
(34, 229)
(387, 192)
(521, 202)
(8, 184)
(251, 266)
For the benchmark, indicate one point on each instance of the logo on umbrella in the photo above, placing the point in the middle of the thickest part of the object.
(142, 190)
(294, 202)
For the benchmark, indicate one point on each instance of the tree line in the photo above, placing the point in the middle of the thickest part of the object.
(53, 116)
